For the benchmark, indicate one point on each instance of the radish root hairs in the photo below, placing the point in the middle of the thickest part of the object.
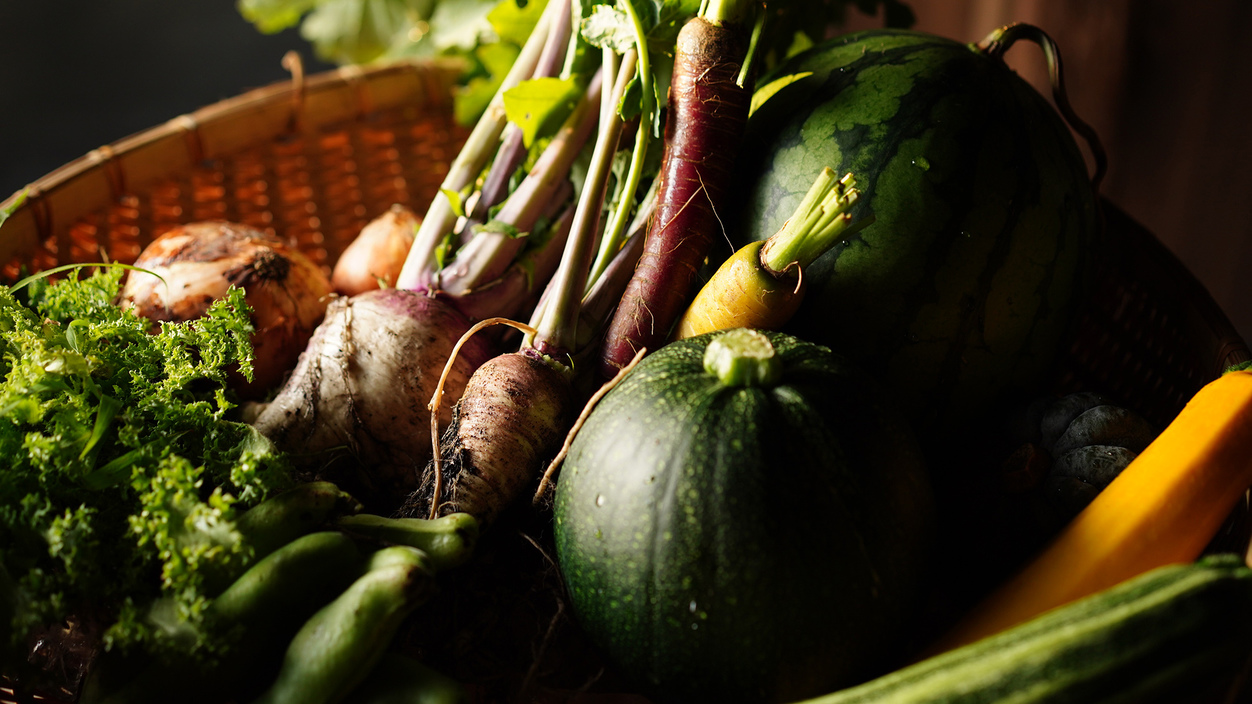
(578, 424)
(361, 386)
(436, 400)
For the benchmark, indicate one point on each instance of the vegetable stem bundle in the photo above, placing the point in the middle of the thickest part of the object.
(762, 284)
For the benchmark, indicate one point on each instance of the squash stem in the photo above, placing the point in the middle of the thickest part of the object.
(743, 357)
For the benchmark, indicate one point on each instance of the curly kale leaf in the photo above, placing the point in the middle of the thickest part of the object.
(122, 471)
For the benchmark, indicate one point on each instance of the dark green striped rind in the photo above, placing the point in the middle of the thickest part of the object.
(743, 544)
(961, 288)
(1153, 638)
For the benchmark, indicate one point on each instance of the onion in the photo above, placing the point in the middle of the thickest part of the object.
(374, 259)
(200, 261)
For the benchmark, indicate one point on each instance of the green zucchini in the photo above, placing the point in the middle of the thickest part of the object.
(1152, 638)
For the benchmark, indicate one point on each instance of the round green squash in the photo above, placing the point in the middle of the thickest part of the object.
(743, 519)
(960, 289)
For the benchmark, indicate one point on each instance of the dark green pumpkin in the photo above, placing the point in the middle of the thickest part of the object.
(743, 543)
(960, 289)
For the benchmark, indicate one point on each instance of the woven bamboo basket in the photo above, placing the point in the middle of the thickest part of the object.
(312, 160)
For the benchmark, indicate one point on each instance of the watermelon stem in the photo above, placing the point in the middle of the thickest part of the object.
(998, 42)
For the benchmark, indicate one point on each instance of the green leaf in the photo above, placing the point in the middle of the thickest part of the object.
(538, 106)
(459, 25)
(581, 59)
(494, 60)
(443, 253)
(609, 27)
(359, 31)
(105, 413)
(273, 16)
(454, 199)
(500, 227)
(512, 22)
(768, 90)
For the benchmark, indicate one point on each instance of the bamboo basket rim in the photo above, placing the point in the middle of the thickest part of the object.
(301, 104)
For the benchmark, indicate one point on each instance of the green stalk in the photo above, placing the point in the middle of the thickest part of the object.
(615, 233)
(721, 11)
(419, 267)
(820, 222)
(556, 333)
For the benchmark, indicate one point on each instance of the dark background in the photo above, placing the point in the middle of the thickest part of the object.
(1167, 84)
(79, 74)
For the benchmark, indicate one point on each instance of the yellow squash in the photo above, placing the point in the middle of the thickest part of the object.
(1164, 508)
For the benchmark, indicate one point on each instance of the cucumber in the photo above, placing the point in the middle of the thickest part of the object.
(1149, 639)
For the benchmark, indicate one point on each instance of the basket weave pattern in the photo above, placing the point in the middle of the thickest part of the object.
(1148, 334)
(315, 182)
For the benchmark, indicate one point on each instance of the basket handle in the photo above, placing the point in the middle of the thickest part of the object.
(293, 63)
(998, 42)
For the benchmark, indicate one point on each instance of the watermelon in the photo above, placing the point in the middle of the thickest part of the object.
(744, 521)
(960, 290)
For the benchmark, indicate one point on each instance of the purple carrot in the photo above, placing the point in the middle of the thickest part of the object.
(708, 108)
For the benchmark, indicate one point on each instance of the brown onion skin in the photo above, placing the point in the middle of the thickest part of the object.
(200, 261)
(374, 259)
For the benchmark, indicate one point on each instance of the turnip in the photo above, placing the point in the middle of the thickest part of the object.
(355, 405)
(359, 391)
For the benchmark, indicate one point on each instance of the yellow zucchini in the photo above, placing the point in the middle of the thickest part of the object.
(1164, 508)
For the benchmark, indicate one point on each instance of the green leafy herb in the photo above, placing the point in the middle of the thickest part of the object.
(122, 472)
(500, 228)
(493, 63)
(539, 106)
(359, 31)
